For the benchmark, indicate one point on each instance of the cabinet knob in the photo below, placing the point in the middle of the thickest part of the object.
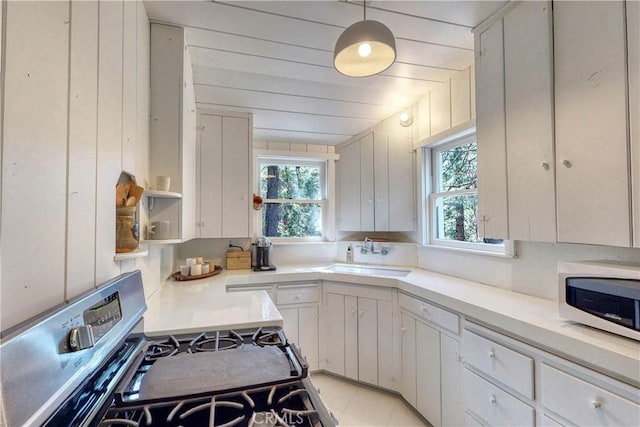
(596, 404)
(492, 355)
(403, 329)
(298, 297)
(361, 313)
(566, 163)
(353, 311)
(545, 165)
(493, 399)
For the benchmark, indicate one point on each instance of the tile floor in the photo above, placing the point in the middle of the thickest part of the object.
(356, 405)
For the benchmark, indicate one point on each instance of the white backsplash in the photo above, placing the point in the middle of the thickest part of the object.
(401, 254)
(533, 272)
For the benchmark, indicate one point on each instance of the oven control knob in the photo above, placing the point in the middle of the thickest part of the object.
(81, 338)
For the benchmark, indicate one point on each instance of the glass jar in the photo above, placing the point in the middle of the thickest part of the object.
(127, 229)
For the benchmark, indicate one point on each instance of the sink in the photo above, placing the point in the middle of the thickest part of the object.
(368, 271)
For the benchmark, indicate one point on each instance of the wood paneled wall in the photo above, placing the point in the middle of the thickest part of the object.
(75, 114)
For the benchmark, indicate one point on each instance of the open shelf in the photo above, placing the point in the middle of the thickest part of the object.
(162, 194)
(138, 253)
(162, 242)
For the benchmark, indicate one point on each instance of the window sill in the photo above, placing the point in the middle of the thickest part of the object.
(300, 242)
(509, 252)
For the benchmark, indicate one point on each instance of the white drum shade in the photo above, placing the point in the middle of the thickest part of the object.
(350, 56)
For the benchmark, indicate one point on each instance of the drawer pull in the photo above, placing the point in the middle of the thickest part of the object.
(403, 329)
(596, 404)
(493, 399)
(492, 355)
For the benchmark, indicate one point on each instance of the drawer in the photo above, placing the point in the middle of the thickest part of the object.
(436, 315)
(492, 405)
(298, 296)
(584, 403)
(505, 365)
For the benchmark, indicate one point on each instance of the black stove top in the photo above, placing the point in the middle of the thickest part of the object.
(277, 405)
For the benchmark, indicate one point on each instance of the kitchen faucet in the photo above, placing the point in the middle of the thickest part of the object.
(369, 248)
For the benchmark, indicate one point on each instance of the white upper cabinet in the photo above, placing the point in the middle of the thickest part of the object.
(529, 122)
(592, 146)
(224, 144)
(554, 111)
(490, 129)
(173, 133)
(375, 180)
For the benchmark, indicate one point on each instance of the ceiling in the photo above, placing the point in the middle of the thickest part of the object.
(275, 60)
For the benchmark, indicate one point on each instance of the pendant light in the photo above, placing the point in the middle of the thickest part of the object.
(364, 49)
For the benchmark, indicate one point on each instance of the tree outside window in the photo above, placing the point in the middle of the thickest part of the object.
(293, 199)
(455, 193)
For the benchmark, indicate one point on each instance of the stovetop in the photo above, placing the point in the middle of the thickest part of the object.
(277, 405)
(86, 363)
(196, 365)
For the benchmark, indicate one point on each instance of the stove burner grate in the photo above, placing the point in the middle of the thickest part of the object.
(278, 405)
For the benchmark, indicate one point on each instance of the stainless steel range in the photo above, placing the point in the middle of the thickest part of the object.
(87, 363)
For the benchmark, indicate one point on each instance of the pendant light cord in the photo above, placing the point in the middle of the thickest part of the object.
(364, 4)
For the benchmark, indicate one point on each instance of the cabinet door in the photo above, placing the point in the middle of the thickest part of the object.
(235, 175)
(209, 182)
(490, 132)
(188, 113)
(386, 366)
(591, 123)
(401, 194)
(367, 217)
(408, 359)
(633, 49)
(351, 337)
(368, 340)
(381, 181)
(529, 122)
(335, 332)
(428, 373)
(348, 171)
(451, 388)
(308, 335)
(290, 323)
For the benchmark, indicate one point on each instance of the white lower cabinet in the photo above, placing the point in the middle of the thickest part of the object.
(358, 335)
(430, 361)
(584, 403)
(507, 381)
(299, 305)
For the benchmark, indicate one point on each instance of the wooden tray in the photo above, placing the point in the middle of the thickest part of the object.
(179, 277)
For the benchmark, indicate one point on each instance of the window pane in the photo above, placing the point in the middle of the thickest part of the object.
(457, 218)
(278, 181)
(292, 220)
(459, 168)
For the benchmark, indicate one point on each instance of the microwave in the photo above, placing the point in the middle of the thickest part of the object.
(601, 294)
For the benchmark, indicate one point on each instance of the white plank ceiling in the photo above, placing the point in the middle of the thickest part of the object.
(275, 60)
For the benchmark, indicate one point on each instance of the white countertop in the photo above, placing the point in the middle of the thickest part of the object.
(201, 304)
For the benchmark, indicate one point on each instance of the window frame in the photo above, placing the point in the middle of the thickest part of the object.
(433, 190)
(323, 201)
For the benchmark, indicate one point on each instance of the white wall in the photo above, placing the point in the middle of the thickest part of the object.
(533, 272)
(75, 114)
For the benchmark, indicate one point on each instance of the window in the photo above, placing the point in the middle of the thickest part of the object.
(294, 194)
(454, 197)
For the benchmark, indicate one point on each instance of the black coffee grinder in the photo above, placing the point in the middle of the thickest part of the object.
(262, 255)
